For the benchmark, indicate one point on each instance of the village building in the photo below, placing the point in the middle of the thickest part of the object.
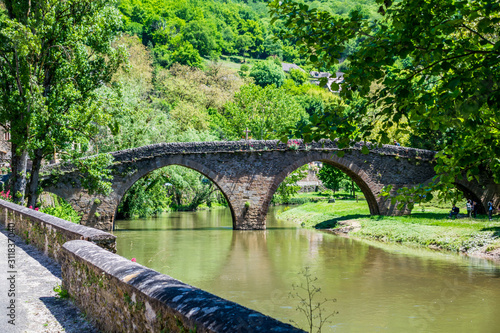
(5, 147)
(287, 67)
(338, 79)
(311, 183)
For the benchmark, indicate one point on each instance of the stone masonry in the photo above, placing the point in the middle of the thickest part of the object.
(249, 172)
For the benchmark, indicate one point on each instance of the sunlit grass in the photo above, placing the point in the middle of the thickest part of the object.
(429, 228)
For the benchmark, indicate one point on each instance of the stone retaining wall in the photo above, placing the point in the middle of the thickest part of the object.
(49, 233)
(123, 296)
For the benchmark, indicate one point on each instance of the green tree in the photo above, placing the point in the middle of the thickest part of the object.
(266, 73)
(243, 70)
(288, 187)
(331, 177)
(268, 112)
(149, 196)
(298, 76)
(186, 54)
(53, 57)
(436, 71)
(203, 39)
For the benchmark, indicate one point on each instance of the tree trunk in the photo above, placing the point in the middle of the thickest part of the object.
(19, 163)
(34, 179)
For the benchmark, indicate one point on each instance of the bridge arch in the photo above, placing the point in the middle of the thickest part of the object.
(184, 162)
(359, 176)
(472, 191)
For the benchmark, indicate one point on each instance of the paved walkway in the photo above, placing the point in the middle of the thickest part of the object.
(37, 309)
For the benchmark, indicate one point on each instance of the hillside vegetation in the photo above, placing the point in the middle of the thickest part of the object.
(186, 31)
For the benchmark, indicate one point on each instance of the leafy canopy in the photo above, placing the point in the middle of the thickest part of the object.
(436, 68)
(53, 57)
(266, 73)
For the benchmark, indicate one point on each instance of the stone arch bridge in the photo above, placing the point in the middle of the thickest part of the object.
(249, 172)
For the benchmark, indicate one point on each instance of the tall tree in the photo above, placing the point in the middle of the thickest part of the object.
(267, 112)
(266, 73)
(54, 55)
(435, 65)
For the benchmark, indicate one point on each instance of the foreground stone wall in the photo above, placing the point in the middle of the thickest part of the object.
(123, 296)
(49, 233)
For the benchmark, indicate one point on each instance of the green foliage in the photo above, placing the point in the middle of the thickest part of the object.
(335, 179)
(95, 173)
(184, 31)
(63, 210)
(288, 187)
(442, 78)
(190, 189)
(268, 112)
(147, 197)
(267, 73)
(61, 292)
(243, 70)
(298, 76)
(331, 177)
(54, 55)
(189, 94)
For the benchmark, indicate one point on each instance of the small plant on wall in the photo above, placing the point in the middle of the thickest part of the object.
(293, 144)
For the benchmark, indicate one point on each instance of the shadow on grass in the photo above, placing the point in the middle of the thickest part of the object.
(496, 231)
(332, 223)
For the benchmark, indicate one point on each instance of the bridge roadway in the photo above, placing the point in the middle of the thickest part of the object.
(249, 172)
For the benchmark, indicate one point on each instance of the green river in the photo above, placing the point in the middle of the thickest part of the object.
(378, 287)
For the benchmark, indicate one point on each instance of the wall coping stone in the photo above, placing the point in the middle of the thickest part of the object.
(206, 311)
(86, 233)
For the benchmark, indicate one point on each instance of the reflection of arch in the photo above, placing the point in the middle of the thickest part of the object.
(211, 175)
(352, 170)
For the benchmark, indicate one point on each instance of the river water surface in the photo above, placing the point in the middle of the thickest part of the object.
(378, 288)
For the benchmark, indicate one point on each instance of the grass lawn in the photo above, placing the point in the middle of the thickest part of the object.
(430, 228)
(231, 65)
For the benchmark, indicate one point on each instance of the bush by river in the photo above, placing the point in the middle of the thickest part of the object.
(430, 228)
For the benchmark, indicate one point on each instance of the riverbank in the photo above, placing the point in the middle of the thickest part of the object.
(431, 228)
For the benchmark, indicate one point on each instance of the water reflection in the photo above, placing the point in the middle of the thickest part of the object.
(379, 287)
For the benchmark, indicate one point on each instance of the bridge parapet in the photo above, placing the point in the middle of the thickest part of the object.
(257, 146)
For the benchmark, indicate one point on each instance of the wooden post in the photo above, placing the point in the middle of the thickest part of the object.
(246, 132)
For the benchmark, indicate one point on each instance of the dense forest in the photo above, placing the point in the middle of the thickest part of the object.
(187, 31)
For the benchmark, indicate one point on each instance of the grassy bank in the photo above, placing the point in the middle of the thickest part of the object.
(431, 228)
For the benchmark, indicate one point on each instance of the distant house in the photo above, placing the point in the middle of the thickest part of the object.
(5, 147)
(339, 78)
(319, 75)
(311, 183)
(287, 67)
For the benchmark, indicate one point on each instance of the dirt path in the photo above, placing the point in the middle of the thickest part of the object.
(30, 289)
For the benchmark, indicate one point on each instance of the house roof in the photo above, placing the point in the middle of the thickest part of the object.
(319, 74)
(287, 67)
